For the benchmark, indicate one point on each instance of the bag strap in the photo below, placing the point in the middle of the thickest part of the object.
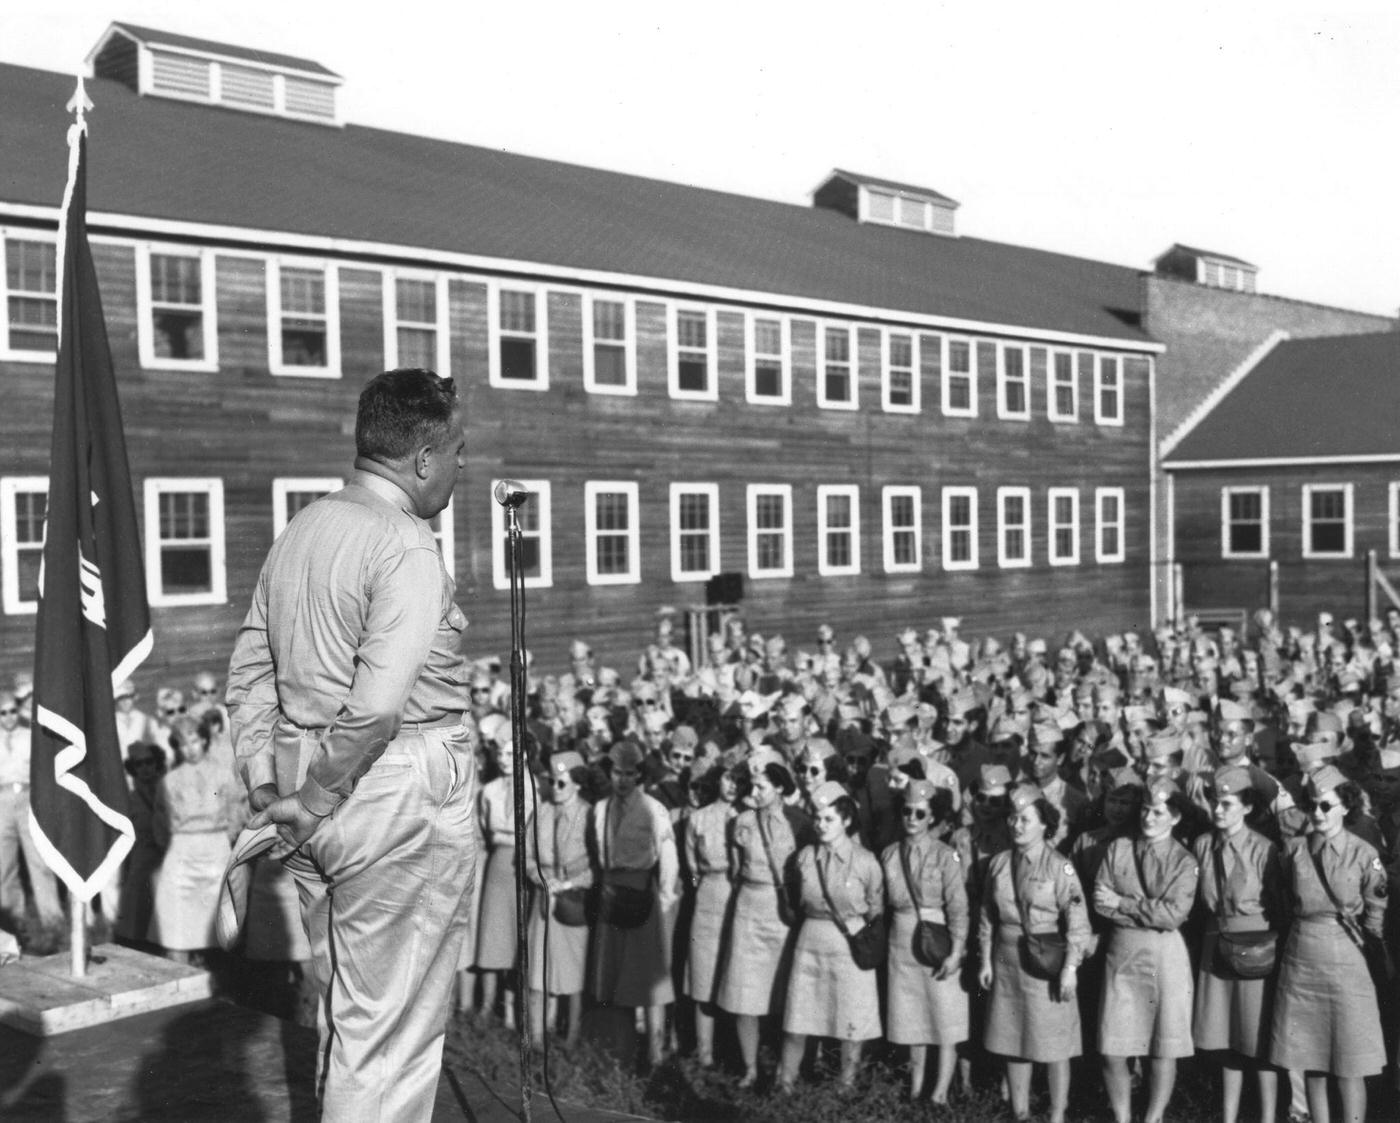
(1219, 849)
(1137, 864)
(826, 893)
(1017, 895)
(908, 877)
(768, 850)
(1348, 923)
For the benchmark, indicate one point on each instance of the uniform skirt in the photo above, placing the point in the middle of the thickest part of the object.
(495, 934)
(632, 966)
(1231, 1013)
(1145, 1009)
(922, 1010)
(753, 966)
(705, 936)
(187, 890)
(827, 994)
(1023, 1019)
(1325, 1013)
(567, 965)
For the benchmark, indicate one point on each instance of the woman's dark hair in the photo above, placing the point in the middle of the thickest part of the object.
(835, 768)
(401, 411)
(211, 721)
(1351, 797)
(1049, 815)
(579, 774)
(706, 784)
(845, 807)
(743, 782)
(914, 768)
(780, 778)
(941, 806)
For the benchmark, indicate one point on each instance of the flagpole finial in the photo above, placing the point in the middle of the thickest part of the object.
(79, 104)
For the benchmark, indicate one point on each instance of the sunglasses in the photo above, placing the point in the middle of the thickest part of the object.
(8, 711)
(914, 813)
(813, 770)
(682, 758)
(206, 693)
(1323, 805)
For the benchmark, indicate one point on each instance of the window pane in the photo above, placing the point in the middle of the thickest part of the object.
(692, 374)
(417, 348)
(175, 279)
(609, 320)
(609, 365)
(416, 301)
(881, 206)
(178, 335)
(767, 379)
(186, 569)
(768, 337)
(518, 311)
(518, 359)
(838, 345)
(691, 330)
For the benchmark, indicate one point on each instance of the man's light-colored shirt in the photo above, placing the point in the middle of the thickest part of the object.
(14, 755)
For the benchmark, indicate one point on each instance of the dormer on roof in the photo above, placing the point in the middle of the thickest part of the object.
(163, 64)
(868, 199)
(1205, 267)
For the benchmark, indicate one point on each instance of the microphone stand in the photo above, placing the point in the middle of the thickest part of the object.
(519, 774)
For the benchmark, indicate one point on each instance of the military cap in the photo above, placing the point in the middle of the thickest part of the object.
(1232, 780)
(828, 793)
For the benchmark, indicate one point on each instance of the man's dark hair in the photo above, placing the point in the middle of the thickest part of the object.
(403, 410)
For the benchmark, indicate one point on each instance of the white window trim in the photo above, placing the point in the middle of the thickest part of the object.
(1051, 526)
(145, 329)
(1225, 493)
(1101, 494)
(673, 354)
(751, 357)
(10, 488)
(493, 339)
(887, 497)
(629, 350)
(18, 354)
(949, 494)
(853, 361)
(1052, 385)
(825, 492)
(1004, 411)
(949, 410)
(1394, 534)
(284, 485)
(275, 364)
(500, 572)
(442, 342)
(1100, 417)
(711, 493)
(218, 577)
(591, 490)
(753, 492)
(1347, 490)
(1004, 558)
(886, 370)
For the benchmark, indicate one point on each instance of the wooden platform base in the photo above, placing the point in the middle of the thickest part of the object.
(41, 997)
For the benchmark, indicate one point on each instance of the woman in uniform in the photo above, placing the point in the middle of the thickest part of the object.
(1240, 889)
(841, 888)
(496, 931)
(1032, 890)
(761, 846)
(1145, 889)
(705, 856)
(559, 866)
(924, 881)
(1326, 1020)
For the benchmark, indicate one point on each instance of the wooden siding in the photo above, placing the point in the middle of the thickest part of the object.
(247, 428)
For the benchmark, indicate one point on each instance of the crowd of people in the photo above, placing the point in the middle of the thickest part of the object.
(996, 855)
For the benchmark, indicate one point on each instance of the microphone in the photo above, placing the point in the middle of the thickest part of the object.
(511, 494)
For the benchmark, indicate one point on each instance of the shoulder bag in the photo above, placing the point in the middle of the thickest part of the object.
(570, 905)
(1372, 950)
(932, 941)
(621, 905)
(1240, 955)
(1042, 954)
(868, 945)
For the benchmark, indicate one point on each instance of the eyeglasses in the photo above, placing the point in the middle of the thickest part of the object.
(914, 813)
(206, 693)
(682, 760)
(8, 711)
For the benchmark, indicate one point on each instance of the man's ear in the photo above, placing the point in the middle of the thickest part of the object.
(422, 460)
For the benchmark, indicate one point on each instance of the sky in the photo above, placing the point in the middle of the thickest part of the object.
(1106, 130)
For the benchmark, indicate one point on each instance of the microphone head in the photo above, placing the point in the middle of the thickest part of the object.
(511, 493)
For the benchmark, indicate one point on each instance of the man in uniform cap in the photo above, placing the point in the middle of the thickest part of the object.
(1044, 756)
(966, 755)
(1234, 747)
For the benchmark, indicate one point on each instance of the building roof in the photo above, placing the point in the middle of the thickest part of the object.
(1338, 396)
(890, 185)
(154, 38)
(1192, 251)
(164, 159)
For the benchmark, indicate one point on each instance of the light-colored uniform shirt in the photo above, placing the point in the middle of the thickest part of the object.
(1252, 875)
(15, 748)
(1041, 888)
(1162, 897)
(352, 632)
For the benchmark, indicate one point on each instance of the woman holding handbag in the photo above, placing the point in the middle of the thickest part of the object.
(1326, 1020)
(925, 888)
(832, 990)
(1033, 929)
(1145, 889)
(1240, 888)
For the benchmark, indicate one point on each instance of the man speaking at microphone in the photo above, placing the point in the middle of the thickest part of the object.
(346, 690)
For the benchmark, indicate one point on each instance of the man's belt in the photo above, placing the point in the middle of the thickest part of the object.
(451, 721)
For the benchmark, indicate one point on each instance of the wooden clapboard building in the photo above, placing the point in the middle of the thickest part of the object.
(867, 417)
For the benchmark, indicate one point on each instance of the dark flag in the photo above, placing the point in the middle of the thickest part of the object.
(94, 626)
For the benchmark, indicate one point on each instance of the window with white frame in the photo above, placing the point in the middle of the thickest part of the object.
(415, 322)
(694, 531)
(30, 295)
(770, 530)
(1327, 521)
(959, 378)
(903, 529)
(1244, 522)
(1013, 527)
(1108, 524)
(838, 530)
(1063, 395)
(303, 319)
(1063, 530)
(185, 541)
(176, 309)
(1013, 390)
(959, 528)
(611, 533)
(1395, 519)
(769, 374)
(836, 367)
(900, 381)
(536, 542)
(518, 348)
(692, 345)
(1108, 399)
(608, 340)
(291, 494)
(24, 504)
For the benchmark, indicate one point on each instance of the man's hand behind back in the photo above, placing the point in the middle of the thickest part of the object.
(295, 824)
